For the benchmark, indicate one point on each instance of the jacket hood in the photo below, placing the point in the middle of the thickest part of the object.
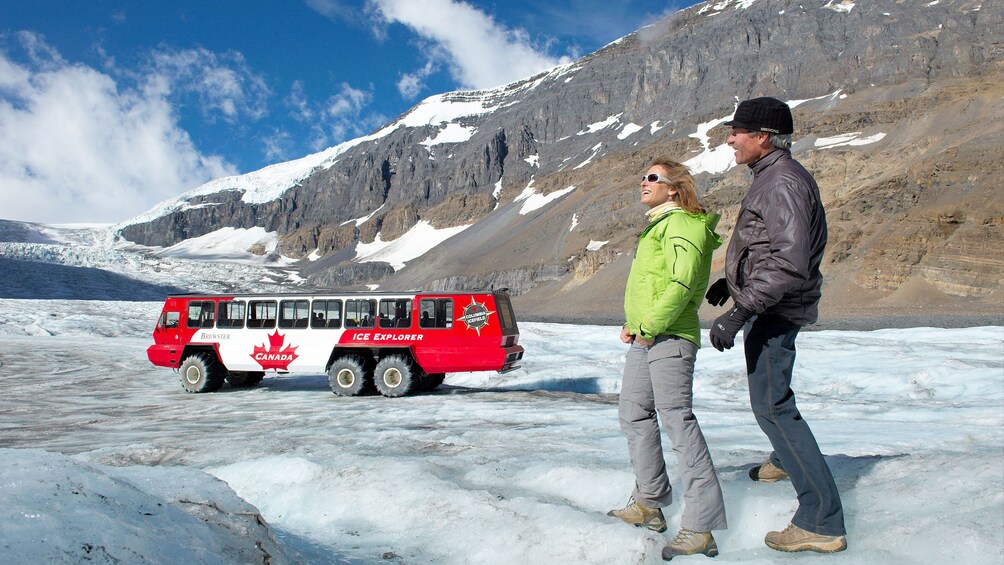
(710, 223)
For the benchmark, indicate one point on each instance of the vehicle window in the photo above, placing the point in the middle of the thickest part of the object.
(169, 320)
(395, 313)
(326, 314)
(261, 314)
(231, 314)
(201, 314)
(293, 313)
(436, 313)
(506, 315)
(360, 313)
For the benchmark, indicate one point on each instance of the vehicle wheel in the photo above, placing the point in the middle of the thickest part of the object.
(395, 376)
(201, 373)
(347, 376)
(431, 381)
(242, 379)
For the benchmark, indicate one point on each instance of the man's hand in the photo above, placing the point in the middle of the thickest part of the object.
(726, 326)
(626, 335)
(718, 293)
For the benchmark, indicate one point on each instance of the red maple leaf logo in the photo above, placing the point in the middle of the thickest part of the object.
(275, 357)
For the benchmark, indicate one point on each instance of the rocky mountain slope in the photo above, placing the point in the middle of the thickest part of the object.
(899, 112)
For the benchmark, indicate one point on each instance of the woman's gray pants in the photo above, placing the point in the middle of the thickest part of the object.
(660, 378)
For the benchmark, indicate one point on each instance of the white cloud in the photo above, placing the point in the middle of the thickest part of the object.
(411, 84)
(223, 84)
(335, 10)
(299, 102)
(338, 118)
(348, 102)
(276, 145)
(479, 52)
(79, 147)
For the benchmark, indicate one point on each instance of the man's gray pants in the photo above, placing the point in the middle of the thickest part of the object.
(660, 378)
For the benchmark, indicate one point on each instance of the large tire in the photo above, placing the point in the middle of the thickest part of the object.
(431, 381)
(347, 376)
(395, 376)
(201, 373)
(245, 379)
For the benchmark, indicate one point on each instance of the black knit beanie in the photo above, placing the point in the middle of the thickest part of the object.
(763, 114)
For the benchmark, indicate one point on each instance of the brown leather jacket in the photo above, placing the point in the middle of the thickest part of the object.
(772, 263)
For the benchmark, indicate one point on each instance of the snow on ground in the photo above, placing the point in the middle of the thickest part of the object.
(847, 139)
(442, 109)
(596, 151)
(416, 242)
(717, 8)
(360, 221)
(451, 133)
(835, 95)
(86, 262)
(843, 6)
(600, 125)
(712, 160)
(62, 510)
(627, 130)
(535, 200)
(515, 468)
(229, 244)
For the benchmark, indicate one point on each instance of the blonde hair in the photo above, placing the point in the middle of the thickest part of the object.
(680, 180)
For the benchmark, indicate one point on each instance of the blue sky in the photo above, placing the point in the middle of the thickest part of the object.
(110, 106)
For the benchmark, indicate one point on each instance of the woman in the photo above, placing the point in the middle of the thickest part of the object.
(668, 278)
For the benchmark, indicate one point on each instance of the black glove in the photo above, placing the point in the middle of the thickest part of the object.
(726, 326)
(718, 293)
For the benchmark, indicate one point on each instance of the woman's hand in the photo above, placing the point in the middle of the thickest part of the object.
(626, 335)
(644, 342)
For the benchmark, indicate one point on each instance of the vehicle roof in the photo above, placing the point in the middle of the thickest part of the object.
(353, 293)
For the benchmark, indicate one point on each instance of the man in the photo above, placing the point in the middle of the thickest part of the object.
(772, 275)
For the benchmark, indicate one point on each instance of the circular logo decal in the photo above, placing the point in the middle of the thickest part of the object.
(476, 316)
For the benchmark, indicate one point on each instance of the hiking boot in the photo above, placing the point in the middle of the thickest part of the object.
(767, 472)
(641, 516)
(794, 538)
(687, 542)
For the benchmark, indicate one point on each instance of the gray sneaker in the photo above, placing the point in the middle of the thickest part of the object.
(794, 538)
(641, 516)
(687, 542)
(767, 472)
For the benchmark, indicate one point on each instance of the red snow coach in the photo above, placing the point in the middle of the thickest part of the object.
(400, 342)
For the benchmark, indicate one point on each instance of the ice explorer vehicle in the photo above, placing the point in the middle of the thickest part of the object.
(399, 342)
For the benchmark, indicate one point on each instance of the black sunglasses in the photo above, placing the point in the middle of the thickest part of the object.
(655, 177)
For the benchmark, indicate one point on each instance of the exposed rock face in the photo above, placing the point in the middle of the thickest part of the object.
(912, 193)
(350, 274)
(518, 281)
(965, 265)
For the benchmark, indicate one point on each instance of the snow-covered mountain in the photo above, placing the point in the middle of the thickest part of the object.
(531, 185)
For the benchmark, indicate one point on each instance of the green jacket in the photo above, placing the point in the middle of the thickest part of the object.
(669, 275)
